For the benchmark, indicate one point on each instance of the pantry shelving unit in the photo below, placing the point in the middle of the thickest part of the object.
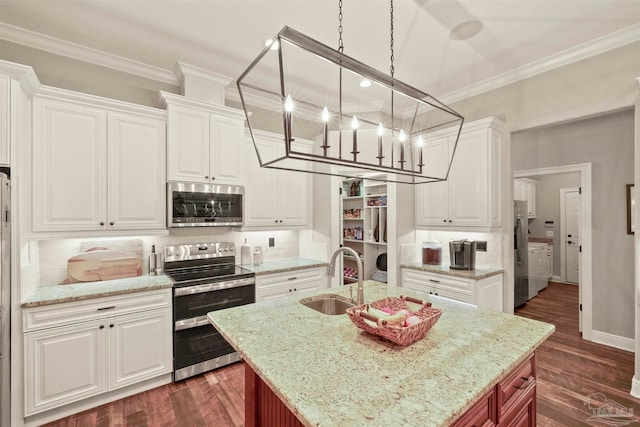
(364, 224)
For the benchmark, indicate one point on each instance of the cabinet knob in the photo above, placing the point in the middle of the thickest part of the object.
(111, 325)
(276, 220)
(449, 220)
(444, 220)
(101, 222)
(111, 223)
(295, 289)
(206, 177)
(101, 326)
(290, 290)
(213, 178)
(280, 220)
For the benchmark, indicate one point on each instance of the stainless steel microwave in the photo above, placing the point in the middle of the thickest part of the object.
(204, 205)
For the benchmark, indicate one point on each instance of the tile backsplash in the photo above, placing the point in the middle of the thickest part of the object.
(53, 254)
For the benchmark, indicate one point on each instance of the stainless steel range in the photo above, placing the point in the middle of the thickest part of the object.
(206, 279)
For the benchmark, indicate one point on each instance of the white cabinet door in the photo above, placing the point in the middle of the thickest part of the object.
(468, 198)
(5, 112)
(140, 347)
(531, 199)
(136, 171)
(69, 166)
(261, 191)
(294, 190)
(188, 144)
(227, 150)
(63, 365)
(432, 199)
(274, 198)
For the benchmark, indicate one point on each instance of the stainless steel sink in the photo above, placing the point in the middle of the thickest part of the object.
(328, 304)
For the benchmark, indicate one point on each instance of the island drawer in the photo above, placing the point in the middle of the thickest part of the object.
(442, 281)
(483, 413)
(518, 383)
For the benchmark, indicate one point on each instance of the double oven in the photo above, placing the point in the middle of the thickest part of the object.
(206, 279)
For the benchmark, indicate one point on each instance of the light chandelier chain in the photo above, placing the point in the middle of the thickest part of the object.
(340, 43)
(391, 38)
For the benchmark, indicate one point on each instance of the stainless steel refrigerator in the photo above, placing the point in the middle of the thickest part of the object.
(5, 300)
(520, 252)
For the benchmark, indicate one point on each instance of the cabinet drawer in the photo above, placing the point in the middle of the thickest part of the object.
(515, 385)
(77, 311)
(482, 413)
(289, 276)
(451, 283)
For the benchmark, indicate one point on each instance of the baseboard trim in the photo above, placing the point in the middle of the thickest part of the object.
(616, 341)
(635, 387)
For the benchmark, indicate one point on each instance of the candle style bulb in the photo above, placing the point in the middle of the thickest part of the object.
(288, 104)
(380, 133)
(325, 114)
(354, 126)
(420, 144)
(288, 108)
(325, 130)
(402, 137)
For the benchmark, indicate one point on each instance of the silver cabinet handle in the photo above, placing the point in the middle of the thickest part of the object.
(292, 278)
(434, 281)
(106, 308)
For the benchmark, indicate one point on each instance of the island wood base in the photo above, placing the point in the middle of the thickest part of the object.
(262, 407)
(511, 402)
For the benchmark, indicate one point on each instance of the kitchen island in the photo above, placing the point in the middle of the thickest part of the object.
(320, 370)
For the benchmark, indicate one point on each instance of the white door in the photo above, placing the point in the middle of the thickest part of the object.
(137, 168)
(227, 150)
(432, 200)
(187, 144)
(571, 217)
(64, 365)
(69, 166)
(261, 189)
(139, 347)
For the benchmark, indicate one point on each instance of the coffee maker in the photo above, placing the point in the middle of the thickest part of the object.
(462, 254)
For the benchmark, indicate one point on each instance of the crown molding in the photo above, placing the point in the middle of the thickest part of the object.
(86, 54)
(72, 50)
(569, 56)
(23, 73)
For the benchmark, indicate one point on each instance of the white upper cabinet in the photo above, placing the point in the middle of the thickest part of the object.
(472, 194)
(136, 172)
(95, 168)
(205, 142)
(525, 189)
(275, 198)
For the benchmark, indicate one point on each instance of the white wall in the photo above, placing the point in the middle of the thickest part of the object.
(607, 142)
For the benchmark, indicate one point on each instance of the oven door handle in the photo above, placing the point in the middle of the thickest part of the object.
(194, 322)
(216, 286)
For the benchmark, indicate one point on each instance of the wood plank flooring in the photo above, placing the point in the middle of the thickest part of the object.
(569, 370)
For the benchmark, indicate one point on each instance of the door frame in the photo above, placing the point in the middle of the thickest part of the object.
(586, 266)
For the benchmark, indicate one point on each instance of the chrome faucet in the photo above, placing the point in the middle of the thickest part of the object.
(331, 271)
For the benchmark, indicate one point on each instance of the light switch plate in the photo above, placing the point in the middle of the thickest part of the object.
(272, 242)
(549, 233)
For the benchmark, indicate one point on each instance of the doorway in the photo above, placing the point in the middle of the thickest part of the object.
(584, 234)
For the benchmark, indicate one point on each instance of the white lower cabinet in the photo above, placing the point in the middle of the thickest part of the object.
(278, 285)
(484, 293)
(78, 350)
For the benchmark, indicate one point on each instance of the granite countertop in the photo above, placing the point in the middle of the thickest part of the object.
(57, 294)
(330, 373)
(284, 265)
(477, 274)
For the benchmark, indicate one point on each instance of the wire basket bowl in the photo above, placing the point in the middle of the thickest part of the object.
(401, 335)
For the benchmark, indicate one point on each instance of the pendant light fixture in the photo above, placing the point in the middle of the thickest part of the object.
(362, 121)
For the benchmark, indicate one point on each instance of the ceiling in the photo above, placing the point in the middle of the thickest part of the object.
(225, 36)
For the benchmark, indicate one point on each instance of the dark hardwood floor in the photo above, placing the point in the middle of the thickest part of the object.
(569, 370)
